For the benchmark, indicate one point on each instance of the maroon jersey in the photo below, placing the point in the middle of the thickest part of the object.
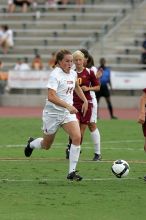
(144, 90)
(85, 78)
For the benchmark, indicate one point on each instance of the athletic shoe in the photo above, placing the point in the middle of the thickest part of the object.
(144, 178)
(97, 157)
(74, 176)
(67, 151)
(114, 117)
(28, 150)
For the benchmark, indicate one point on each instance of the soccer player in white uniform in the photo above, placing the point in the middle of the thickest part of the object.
(60, 112)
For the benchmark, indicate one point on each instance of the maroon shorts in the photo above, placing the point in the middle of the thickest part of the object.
(144, 128)
(86, 118)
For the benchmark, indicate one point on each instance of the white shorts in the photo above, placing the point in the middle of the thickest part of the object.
(52, 121)
(94, 111)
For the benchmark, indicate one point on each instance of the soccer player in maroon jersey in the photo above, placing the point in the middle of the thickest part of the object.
(142, 116)
(88, 82)
(94, 131)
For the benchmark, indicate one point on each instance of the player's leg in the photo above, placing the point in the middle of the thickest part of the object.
(67, 150)
(144, 133)
(110, 107)
(50, 126)
(95, 136)
(73, 130)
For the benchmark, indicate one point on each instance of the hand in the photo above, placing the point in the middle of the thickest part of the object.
(141, 118)
(85, 88)
(84, 108)
(72, 109)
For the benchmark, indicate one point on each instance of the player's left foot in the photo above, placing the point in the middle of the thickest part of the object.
(97, 157)
(74, 176)
(28, 150)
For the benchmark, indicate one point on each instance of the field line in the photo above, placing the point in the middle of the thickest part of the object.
(54, 160)
(85, 144)
(42, 181)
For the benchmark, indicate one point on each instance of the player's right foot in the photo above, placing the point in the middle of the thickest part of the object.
(97, 157)
(74, 176)
(28, 150)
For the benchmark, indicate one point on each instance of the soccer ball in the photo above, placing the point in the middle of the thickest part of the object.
(120, 168)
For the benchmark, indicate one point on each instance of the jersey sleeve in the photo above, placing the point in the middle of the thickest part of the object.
(94, 80)
(144, 90)
(52, 82)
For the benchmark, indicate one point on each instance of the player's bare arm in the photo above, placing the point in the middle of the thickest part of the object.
(52, 97)
(90, 88)
(141, 117)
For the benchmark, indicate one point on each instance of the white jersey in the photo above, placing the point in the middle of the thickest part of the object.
(64, 85)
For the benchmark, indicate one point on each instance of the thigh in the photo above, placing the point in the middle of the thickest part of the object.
(86, 119)
(72, 129)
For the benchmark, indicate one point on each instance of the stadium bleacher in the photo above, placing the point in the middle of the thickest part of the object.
(73, 27)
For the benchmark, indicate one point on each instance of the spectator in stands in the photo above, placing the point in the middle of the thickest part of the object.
(143, 55)
(6, 38)
(1, 65)
(37, 63)
(51, 3)
(24, 4)
(79, 2)
(104, 89)
(24, 65)
(52, 60)
(18, 64)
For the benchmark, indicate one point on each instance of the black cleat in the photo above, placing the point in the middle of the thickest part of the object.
(114, 117)
(28, 150)
(74, 176)
(144, 178)
(97, 157)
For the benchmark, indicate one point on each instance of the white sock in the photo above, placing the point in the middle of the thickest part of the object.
(95, 135)
(73, 157)
(36, 143)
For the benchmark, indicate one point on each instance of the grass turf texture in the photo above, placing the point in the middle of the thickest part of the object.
(36, 188)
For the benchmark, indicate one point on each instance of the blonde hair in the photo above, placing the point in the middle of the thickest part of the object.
(79, 54)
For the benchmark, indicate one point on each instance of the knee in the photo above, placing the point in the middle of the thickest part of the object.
(92, 126)
(45, 146)
(76, 140)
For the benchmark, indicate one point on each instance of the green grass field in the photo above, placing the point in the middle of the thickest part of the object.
(37, 189)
